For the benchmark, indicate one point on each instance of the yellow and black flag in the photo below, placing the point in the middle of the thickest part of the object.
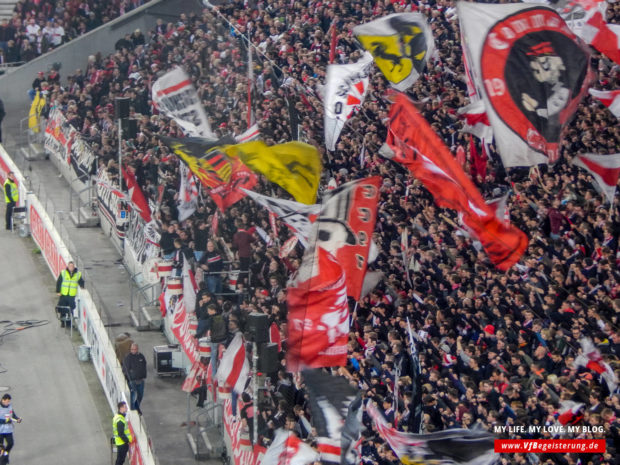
(294, 166)
(221, 176)
(401, 44)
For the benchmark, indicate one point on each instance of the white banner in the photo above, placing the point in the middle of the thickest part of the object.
(345, 89)
(111, 204)
(65, 142)
(175, 96)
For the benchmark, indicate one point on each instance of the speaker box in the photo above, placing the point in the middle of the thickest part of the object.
(258, 327)
(268, 357)
(130, 128)
(121, 107)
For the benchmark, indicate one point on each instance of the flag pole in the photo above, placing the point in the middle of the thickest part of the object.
(250, 79)
(255, 392)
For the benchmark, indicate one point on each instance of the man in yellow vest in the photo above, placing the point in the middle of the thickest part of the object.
(122, 434)
(66, 287)
(11, 196)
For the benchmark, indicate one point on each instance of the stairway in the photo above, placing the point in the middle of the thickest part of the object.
(6, 8)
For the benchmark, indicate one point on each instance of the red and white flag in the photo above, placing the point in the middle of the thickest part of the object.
(190, 287)
(602, 36)
(234, 367)
(274, 335)
(569, 412)
(169, 296)
(252, 133)
(181, 324)
(592, 359)
(605, 169)
(195, 378)
(136, 196)
(609, 98)
(318, 313)
(476, 121)
(415, 145)
(345, 227)
(288, 449)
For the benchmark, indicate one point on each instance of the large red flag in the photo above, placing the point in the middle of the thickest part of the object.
(416, 146)
(318, 313)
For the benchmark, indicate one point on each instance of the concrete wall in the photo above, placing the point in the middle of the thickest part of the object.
(73, 55)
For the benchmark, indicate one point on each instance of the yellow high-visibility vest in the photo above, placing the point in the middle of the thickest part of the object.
(14, 193)
(70, 283)
(117, 437)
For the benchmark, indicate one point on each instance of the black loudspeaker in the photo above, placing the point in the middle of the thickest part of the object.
(268, 357)
(121, 107)
(130, 128)
(257, 326)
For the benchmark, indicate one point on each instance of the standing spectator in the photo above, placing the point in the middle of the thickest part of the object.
(7, 417)
(212, 265)
(11, 197)
(122, 434)
(134, 368)
(7, 33)
(66, 287)
(242, 243)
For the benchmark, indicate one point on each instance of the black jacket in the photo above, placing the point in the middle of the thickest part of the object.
(134, 367)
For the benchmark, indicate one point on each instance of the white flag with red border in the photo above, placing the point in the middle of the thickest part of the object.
(605, 169)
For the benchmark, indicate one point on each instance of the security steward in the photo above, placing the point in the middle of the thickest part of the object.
(122, 435)
(11, 197)
(66, 287)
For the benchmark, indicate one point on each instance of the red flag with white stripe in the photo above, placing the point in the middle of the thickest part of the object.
(605, 169)
(602, 36)
(476, 121)
(609, 98)
(234, 367)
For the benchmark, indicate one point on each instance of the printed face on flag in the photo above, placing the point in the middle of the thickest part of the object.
(532, 71)
(534, 77)
(400, 45)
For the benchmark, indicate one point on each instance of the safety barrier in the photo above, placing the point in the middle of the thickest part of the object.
(89, 323)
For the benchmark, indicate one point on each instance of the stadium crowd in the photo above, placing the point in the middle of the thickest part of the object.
(495, 348)
(38, 26)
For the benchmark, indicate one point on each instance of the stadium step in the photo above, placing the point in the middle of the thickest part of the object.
(33, 152)
(85, 218)
(148, 318)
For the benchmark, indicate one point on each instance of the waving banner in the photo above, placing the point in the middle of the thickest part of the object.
(449, 447)
(318, 313)
(609, 98)
(345, 89)
(532, 72)
(175, 96)
(294, 166)
(400, 44)
(222, 177)
(605, 169)
(415, 145)
(345, 227)
(297, 216)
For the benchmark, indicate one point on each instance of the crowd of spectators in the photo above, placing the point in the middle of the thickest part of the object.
(496, 348)
(38, 26)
